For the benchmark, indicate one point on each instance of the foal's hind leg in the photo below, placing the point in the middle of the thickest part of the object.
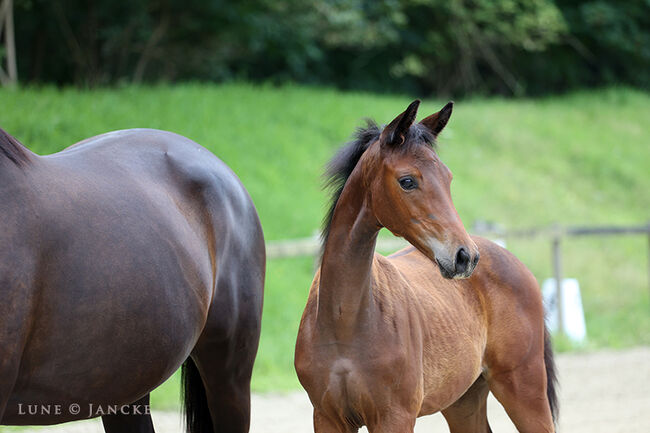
(469, 413)
(522, 393)
(120, 423)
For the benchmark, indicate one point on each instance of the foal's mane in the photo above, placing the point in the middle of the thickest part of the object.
(340, 167)
(12, 149)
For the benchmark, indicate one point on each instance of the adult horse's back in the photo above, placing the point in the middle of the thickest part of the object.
(121, 258)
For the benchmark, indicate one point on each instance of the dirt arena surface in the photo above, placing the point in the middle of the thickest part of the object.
(606, 391)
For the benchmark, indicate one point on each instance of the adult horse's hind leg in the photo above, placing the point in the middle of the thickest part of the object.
(130, 423)
(226, 378)
(469, 413)
(223, 361)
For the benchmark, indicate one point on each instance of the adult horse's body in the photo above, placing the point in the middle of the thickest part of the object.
(385, 340)
(121, 258)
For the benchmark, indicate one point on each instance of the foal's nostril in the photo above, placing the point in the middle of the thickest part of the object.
(475, 261)
(462, 260)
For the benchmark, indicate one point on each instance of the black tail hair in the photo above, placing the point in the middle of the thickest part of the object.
(551, 377)
(195, 402)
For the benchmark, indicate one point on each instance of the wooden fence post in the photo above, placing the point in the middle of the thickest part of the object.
(557, 274)
(648, 258)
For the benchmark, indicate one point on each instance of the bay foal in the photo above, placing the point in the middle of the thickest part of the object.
(384, 340)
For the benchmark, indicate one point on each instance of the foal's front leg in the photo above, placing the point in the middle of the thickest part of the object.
(395, 421)
(323, 424)
(469, 413)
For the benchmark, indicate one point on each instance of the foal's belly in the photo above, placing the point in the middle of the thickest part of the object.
(449, 390)
(450, 372)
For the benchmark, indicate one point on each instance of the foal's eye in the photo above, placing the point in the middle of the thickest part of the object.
(407, 183)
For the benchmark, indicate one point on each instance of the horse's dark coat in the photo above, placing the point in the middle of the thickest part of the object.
(120, 257)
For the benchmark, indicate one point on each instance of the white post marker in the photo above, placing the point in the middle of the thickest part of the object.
(573, 316)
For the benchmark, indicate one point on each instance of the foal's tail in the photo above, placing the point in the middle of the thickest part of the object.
(197, 414)
(551, 376)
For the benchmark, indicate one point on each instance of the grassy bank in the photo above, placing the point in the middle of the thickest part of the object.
(582, 158)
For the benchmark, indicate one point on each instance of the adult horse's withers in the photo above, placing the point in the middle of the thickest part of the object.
(122, 258)
(384, 340)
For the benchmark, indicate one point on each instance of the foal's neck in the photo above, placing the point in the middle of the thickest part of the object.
(345, 286)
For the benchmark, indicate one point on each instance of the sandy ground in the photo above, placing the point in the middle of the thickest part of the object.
(607, 391)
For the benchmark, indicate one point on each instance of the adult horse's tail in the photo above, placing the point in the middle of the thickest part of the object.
(197, 413)
(551, 376)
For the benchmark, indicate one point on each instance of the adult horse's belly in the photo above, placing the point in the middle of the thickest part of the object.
(112, 326)
(114, 358)
(109, 360)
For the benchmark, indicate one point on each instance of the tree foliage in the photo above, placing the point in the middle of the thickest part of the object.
(425, 46)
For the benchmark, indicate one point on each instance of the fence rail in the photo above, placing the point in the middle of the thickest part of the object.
(311, 246)
(560, 231)
(555, 233)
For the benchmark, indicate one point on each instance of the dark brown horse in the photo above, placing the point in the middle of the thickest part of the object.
(384, 340)
(121, 258)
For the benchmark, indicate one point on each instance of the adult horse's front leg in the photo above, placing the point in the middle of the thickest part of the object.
(8, 373)
(14, 328)
(130, 423)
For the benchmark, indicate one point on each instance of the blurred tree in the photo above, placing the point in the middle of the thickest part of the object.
(611, 40)
(470, 45)
(426, 46)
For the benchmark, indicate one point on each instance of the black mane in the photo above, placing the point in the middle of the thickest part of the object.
(345, 160)
(12, 149)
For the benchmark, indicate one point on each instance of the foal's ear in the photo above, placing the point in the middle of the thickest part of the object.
(395, 133)
(437, 121)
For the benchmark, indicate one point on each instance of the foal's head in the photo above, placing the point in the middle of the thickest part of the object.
(408, 190)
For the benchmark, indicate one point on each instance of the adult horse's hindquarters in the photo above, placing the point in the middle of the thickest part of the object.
(120, 258)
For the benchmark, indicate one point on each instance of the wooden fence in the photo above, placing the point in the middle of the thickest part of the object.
(555, 234)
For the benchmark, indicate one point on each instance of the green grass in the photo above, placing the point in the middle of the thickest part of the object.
(582, 158)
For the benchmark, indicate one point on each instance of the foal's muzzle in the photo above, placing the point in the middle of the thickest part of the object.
(462, 265)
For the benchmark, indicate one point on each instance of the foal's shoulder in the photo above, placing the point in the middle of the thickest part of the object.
(501, 271)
